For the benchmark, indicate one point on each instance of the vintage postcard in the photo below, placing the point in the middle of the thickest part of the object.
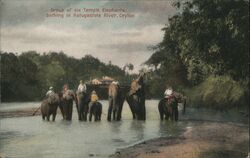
(124, 78)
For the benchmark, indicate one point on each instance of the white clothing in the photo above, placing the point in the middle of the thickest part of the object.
(50, 93)
(82, 88)
(168, 92)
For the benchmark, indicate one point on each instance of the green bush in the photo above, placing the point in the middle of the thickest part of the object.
(219, 92)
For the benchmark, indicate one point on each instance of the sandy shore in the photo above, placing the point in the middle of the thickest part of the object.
(200, 140)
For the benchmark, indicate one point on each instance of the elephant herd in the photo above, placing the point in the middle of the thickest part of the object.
(135, 99)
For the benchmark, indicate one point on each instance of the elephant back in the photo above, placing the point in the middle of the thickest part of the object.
(53, 99)
(68, 95)
(172, 101)
(113, 90)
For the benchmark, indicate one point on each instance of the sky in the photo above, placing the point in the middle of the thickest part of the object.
(25, 26)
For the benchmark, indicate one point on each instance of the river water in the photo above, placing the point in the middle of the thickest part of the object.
(29, 137)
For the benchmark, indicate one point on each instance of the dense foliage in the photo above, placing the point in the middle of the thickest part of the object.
(205, 43)
(29, 75)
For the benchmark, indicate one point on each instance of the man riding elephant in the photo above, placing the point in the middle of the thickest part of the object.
(136, 98)
(83, 101)
(169, 105)
(49, 106)
(68, 97)
(50, 92)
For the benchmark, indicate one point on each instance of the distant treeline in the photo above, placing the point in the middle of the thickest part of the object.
(28, 76)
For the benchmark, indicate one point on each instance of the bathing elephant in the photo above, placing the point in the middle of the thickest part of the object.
(96, 110)
(168, 107)
(67, 104)
(116, 100)
(136, 99)
(83, 105)
(49, 107)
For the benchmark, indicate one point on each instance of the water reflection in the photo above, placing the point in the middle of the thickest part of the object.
(138, 127)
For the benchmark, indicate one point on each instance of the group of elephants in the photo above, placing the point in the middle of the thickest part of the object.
(135, 99)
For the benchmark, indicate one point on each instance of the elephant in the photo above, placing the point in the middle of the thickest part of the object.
(83, 106)
(49, 107)
(96, 110)
(136, 99)
(67, 104)
(169, 108)
(116, 100)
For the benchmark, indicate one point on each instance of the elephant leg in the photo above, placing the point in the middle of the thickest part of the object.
(160, 109)
(167, 115)
(43, 116)
(176, 113)
(80, 111)
(100, 113)
(116, 111)
(171, 115)
(109, 113)
(131, 104)
(137, 110)
(143, 108)
(184, 107)
(53, 116)
(85, 116)
(119, 111)
(114, 114)
(99, 117)
(110, 109)
(90, 116)
(168, 112)
(61, 108)
(161, 115)
(48, 112)
(96, 115)
(65, 109)
(70, 110)
(85, 113)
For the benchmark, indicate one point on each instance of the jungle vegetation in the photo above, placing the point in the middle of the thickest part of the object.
(205, 53)
(28, 76)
